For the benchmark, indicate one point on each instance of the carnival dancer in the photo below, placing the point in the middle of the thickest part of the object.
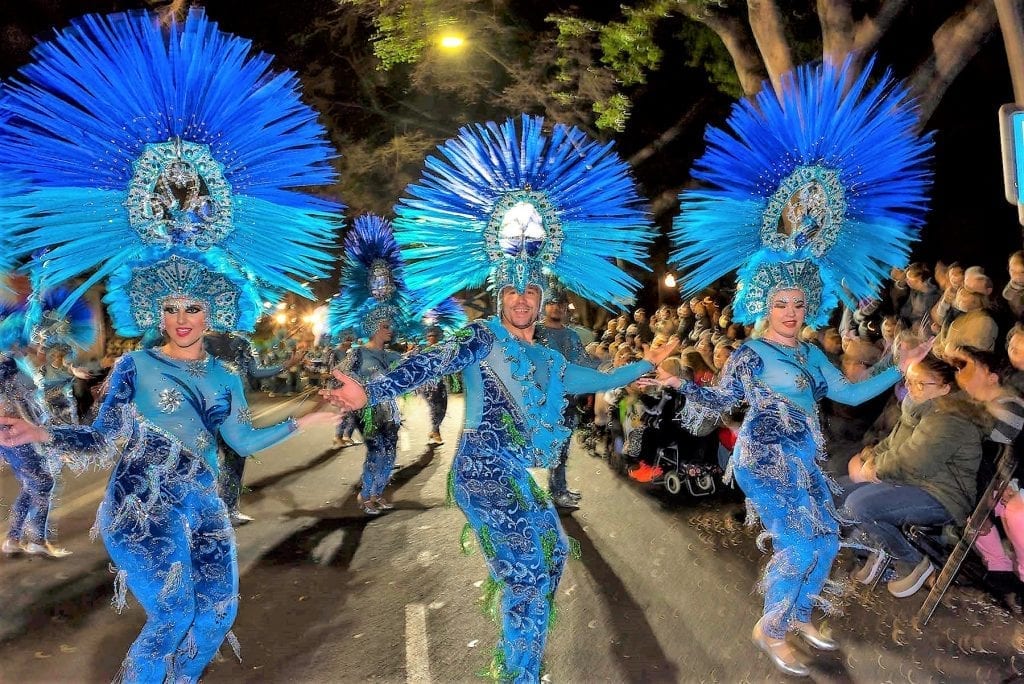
(30, 530)
(160, 180)
(555, 334)
(441, 320)
(837, 205)
(495, 206)
(372, 301)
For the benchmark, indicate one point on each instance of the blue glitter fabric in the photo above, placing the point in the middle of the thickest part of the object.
(775, 461)
(515, 396)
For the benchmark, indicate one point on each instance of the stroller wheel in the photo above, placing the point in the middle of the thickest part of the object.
(673, 482)
(701, 485)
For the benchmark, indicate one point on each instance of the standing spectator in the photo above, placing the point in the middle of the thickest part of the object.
(915, 296)
(1013, 293)
(974, 327)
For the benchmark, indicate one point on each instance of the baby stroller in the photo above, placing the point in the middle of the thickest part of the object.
(670, 456)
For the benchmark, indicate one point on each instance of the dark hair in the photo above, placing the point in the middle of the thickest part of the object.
(994, 361)
(920, 270)
(944, 371)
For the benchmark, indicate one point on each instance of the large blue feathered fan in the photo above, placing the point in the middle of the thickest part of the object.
(138, 136)
(831, 176)
(501, 197)
(47, 327)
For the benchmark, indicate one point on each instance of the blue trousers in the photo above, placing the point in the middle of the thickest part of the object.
(524, 544)
(793, 500)
(437, 401)
(30, 513)
(381, 452)
(174, 548)
(558, 483)
(882, 508)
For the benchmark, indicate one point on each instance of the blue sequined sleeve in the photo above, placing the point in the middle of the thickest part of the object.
(469, 345)
(707, 404)
(80, 445)
(583, 380)
(851, 393)
(238, 431)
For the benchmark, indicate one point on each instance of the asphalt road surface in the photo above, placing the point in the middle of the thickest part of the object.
(664, 592)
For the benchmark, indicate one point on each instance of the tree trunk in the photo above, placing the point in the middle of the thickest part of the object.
(956, 42)
(837, 29)
(770, 36)
(641, 155)
(738, 40)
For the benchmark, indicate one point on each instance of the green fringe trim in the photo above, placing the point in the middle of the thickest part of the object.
(491, 602)
(510, 427)
(368, 429)
(485, 542)
(520, 495)
(498, 669)
(540, 494)
(449, 497)
(465, 539)
(552, 612)
(454, 384)
(548, 542)
(462, 334)
(575, 552)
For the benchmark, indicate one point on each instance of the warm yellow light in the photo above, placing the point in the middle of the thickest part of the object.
(452, 41)
(670, 280)
(281, 305)
(281, 319)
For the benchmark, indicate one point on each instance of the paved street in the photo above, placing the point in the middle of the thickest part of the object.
(664, 591)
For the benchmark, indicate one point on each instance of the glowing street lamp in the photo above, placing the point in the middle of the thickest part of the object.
(281, 319)
(452, 41)
(670, 280)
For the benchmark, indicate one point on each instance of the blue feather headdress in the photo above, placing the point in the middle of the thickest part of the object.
(445, 318)
(372, 280)
(822, 189)
(12, 324)
(508, 205)
(138, 138)
(48, 328)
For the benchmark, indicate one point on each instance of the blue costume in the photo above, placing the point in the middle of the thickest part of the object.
(162, 520)
(35, 471)
(378, 424)
(442, 320)
(515, 396)
(182, 150)
(776, 458)
(513, 206)
(820, 189)
(372, 292)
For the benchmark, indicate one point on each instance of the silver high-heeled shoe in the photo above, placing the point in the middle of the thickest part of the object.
(818, 641)
(792, 667)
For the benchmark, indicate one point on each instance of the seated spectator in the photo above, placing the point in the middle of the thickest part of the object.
(923, 472)
(982, 375)
(1015, 352)
(974, 327)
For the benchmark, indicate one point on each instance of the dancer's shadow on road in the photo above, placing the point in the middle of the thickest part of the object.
(637, 646)
(306, 543)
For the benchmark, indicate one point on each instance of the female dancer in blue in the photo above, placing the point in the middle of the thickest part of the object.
(159, 180)
(817, 195)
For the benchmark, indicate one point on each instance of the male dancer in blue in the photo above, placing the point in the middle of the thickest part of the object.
(511, 206)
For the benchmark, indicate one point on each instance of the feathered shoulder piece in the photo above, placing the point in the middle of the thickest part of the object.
(508, 204)
(822, 187)
(372, 280)
(137, 137)
(47, 327)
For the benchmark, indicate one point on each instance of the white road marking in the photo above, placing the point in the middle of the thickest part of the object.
(417, 661)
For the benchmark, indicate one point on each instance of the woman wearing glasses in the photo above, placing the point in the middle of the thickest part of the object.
(923, 472)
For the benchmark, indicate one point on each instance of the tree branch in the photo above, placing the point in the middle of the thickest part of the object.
(955, 42)
(837, 29)
(872, 28)
(770, 36)
(670, 134)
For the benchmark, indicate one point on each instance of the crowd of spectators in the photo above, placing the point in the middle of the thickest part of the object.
(919, 454)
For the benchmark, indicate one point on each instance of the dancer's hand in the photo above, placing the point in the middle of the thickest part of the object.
(17, 432)
(656, 356)
(905, 355)
(318, 418)
(349, 394)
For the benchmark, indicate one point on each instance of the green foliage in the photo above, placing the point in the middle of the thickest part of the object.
(403, 28)
(707, 51)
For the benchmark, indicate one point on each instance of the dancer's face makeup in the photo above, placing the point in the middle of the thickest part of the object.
(786, 315)
(184, 321)
(520, 310)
